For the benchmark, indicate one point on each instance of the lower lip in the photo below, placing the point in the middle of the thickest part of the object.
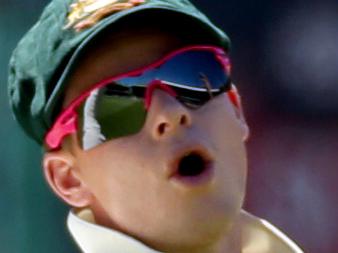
(201, 180)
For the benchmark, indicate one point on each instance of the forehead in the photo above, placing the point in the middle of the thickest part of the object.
(115, 53)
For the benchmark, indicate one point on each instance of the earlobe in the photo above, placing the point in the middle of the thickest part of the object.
(58, 167)
(236, 101)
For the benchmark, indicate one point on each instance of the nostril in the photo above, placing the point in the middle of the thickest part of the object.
(162, 128)
(184, 120)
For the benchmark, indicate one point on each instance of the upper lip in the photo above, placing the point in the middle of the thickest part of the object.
(173, 164)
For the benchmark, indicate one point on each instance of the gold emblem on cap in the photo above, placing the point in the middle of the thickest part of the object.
(86, 13)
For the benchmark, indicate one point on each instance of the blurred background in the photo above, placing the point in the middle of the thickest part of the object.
(285, 63)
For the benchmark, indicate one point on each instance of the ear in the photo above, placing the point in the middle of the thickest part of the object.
(236, 101)
(58, 167)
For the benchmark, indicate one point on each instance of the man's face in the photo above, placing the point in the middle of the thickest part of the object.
(180, 180)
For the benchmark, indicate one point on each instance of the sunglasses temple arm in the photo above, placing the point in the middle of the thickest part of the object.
(233, 96)
(63, 126)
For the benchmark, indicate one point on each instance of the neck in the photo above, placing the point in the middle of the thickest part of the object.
(232, 242)
(229, 242)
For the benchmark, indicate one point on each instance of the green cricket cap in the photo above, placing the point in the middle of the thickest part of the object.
(43, 59)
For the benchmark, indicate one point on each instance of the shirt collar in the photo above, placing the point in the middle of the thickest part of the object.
(259, 236)
(92, 238)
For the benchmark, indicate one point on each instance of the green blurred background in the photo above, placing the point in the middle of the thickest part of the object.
(285, 57)
(31, 218)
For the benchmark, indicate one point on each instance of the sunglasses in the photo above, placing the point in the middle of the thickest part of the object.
(117, 106)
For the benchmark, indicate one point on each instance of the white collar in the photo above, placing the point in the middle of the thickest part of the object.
(92, 238)
(259, 236)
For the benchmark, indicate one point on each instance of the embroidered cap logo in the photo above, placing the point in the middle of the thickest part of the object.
(86, 13)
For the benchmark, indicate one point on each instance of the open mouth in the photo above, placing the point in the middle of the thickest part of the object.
(194, 167)
(191, 165)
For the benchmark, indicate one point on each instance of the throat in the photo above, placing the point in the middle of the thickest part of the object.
(229, 242)
(232, 240)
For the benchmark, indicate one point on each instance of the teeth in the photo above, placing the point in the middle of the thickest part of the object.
(191, 165)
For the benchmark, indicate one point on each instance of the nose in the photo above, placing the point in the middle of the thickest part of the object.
(166, 115)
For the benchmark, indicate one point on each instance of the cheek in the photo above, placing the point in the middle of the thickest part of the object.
(223, 128)
(117, 174)
(100, 169)
(228, 138)
(218, 120)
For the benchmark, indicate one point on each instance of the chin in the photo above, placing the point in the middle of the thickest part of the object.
(197, 235)
(197, 229)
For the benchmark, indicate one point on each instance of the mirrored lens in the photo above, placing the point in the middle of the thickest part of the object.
(191, 70)
(104, 116)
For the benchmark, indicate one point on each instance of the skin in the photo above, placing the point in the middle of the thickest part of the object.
(125, 181)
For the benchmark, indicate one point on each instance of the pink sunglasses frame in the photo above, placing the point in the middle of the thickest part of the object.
(66, 122)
